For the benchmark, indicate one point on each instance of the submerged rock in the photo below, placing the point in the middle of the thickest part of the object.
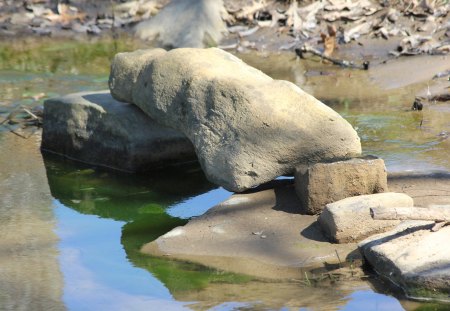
(94, 128)
(247, 128)
(413, 257)
(349, 220)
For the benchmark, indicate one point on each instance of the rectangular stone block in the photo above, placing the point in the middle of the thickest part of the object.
(349, 220)
(321, 183)
(94, 128)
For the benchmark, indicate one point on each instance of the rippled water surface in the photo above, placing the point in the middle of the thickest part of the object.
(71, 234)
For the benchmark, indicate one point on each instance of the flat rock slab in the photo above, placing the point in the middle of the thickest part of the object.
(94, 128)
(322, 183)
(263, 234)
(247, 128)
(349, 220)
(413, 257)
(258, 233)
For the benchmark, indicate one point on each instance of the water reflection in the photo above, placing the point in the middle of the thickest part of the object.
(96, 209)
(138, 206)
(30, 278)
(119, 196)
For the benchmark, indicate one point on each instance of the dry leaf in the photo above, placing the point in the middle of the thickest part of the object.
(247, 12)
(293, 18)
(357, 31)
(329, 41)
(39, 96)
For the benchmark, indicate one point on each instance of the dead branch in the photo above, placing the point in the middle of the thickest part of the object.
(340, 62)
(32, 120)
(438, 214)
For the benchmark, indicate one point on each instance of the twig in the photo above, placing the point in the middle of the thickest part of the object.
(339, 258)
(307, 280)
(344, 63)
(35, 117)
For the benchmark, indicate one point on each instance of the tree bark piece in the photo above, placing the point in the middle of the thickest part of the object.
(438, 214)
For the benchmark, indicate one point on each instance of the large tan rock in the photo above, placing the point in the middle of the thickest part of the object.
(246, 127)
(322, 183)
(94, 128)
(349, 220)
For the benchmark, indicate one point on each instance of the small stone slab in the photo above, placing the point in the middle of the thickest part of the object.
(413, 257)
(321, 183)
(349, 220)
(94, 128)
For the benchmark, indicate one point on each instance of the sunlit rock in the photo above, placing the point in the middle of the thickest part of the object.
(321, 183)
(413, 257)
(349, 220)
(247, 128)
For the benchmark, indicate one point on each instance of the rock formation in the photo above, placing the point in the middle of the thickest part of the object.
(246, 127)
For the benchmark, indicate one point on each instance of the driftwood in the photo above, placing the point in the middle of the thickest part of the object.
(31, 120)
(341, 62)
(441, 215)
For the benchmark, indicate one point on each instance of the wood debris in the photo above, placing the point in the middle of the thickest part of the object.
(22, 121)
(419, 26)
(412, 22)
(440, 215)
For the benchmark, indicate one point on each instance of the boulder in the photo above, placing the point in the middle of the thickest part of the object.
(349, 220)
(321, 183)
(247, 128)
(94, 128)
(413, 257)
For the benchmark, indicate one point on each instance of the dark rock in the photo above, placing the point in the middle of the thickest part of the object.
(95, 128)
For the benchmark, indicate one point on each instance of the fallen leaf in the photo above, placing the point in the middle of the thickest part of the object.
(293, 18)
(329, 40)
(39, 96)
(357, 31)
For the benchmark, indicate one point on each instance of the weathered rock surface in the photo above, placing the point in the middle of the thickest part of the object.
(349, 220)
(321, 183)
(259, 233)
(413, 257)
(246, 127)
(97, 129)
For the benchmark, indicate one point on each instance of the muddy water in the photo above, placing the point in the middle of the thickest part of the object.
(70, 234)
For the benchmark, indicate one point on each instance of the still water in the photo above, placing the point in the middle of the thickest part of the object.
(71, 234)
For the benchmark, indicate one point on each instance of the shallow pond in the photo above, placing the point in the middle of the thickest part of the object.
(70, 234)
